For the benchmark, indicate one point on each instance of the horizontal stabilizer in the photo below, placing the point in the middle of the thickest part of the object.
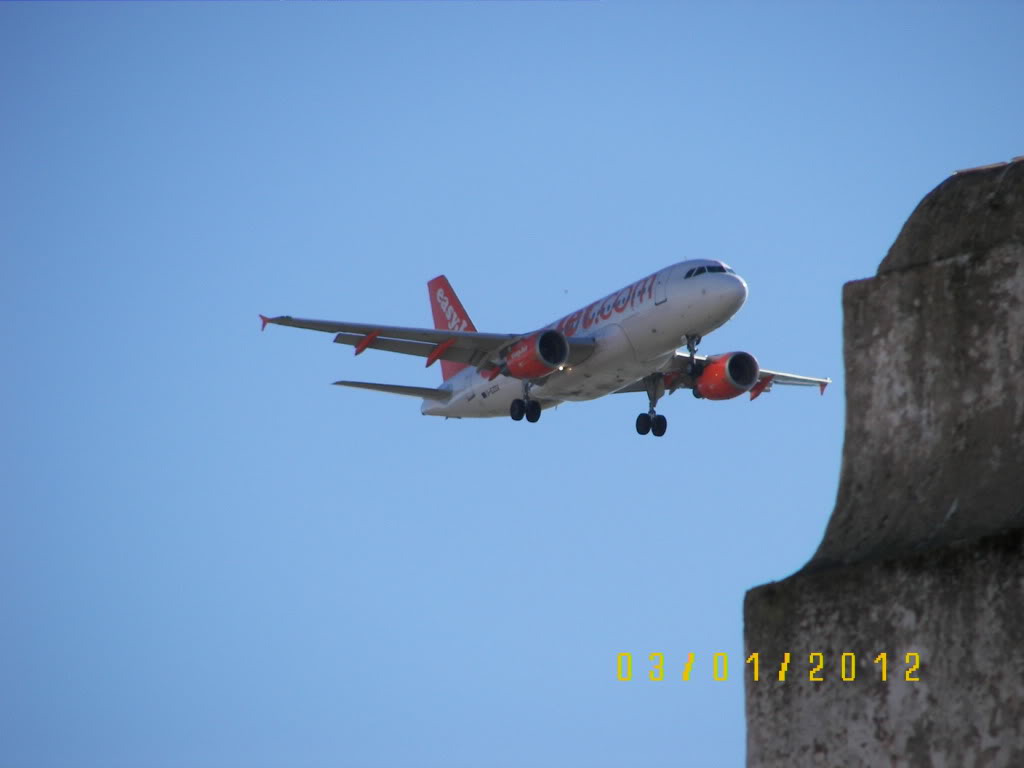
(440, 395)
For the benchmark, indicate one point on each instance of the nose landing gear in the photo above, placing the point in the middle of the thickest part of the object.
(694, 368)
(656, 424)
(651, 421)
(643, 423)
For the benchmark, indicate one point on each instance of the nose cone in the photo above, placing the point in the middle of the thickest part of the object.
(739, 290)
(729, 292)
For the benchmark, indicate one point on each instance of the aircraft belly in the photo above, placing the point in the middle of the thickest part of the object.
(481, 399)
(624, 352)
(612, 366)
(597, 385)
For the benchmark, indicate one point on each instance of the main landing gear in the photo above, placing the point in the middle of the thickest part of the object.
(525, 406)
(694, 369)
(653, 422)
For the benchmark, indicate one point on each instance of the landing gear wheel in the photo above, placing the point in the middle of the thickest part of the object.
(658, 425)
(697, 394)
(517, 410)
(532, 411)
(643, 423)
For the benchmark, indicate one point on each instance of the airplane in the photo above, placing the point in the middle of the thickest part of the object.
(627, 341)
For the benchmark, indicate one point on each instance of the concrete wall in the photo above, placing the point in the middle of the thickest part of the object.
(924, 551)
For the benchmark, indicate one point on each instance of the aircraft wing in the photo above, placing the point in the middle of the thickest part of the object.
(791, 379)
(469, 347)
(676, 377)
(482, 350)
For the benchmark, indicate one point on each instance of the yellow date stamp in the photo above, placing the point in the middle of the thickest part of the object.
(790, 667)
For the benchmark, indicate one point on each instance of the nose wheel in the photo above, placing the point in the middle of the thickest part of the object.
(694, 369)
(652, 422)
(655, 424)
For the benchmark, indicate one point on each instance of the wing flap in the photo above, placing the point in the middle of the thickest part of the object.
(478, 349)
(426, 335)
(791, 379)
(455, 352)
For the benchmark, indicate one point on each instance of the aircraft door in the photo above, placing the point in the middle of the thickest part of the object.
(660, 283)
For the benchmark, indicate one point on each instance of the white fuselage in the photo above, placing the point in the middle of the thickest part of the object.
(637, 330)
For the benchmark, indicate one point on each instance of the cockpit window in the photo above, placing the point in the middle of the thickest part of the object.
(717, 268)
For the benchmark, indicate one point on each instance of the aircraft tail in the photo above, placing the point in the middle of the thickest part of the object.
(449, 315)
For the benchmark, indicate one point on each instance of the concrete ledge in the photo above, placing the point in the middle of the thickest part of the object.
(934, 407)
(959, 607)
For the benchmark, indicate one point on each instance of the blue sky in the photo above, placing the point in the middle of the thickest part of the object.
(209, 556)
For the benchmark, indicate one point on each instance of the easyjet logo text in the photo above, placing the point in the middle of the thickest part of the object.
(455, 323)
(603, 309)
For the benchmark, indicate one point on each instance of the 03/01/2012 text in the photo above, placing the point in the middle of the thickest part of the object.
(846, 666)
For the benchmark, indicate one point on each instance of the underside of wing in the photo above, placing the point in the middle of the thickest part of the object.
(637, 386)
(676, 376)
(674, 373)
(791, 379)
(440, 395)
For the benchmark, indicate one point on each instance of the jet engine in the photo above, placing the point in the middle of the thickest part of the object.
(538, 355)
(727, 376)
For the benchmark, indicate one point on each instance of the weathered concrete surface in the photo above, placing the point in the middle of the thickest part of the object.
(960, 608)
(967, 213)
(934, 448)
(924, 551)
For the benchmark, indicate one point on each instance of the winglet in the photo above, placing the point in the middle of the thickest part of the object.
(265, 321)
(823, 385)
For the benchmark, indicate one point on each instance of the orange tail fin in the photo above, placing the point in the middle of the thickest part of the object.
(449, 315)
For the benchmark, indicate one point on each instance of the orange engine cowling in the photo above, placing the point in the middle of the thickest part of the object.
(727, 376)
(537, 355)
